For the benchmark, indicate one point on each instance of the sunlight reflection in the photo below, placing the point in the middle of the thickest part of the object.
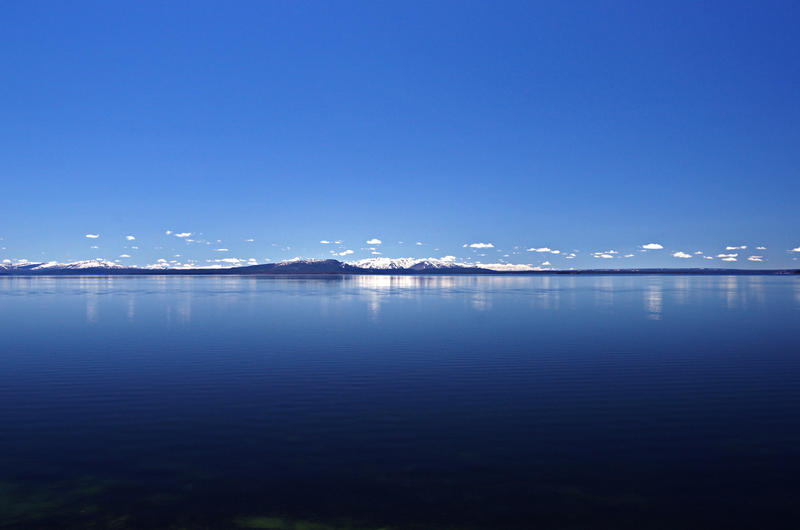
(681, 290)
(654, 301)
(730, 287)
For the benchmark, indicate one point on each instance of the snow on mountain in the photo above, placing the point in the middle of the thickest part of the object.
(407, 263)
(299, 260)
(98, 263)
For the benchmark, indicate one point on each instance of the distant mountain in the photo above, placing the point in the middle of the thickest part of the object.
(335, 267)
(55, 267)
(409, 264)
(299, 266)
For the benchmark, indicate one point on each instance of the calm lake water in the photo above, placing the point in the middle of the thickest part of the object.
(400, 402)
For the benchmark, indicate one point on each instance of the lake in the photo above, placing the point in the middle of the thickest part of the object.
(402, 402)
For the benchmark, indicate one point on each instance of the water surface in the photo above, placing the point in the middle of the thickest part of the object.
(400, 402)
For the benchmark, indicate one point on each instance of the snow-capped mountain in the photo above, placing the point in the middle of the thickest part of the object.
(407, 263)
(376, 266)
(78, 265)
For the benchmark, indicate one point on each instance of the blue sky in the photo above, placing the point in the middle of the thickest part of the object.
(582, 127)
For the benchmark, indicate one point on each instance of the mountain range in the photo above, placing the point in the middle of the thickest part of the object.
(335, 267)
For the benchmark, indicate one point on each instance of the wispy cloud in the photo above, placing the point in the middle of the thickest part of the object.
(755, 258)
(652, 246)
(478, 245)
(374, 241)
(183, 234)
(743, 247)
(724, 256)
(729, 259)
(92, 236)
(544, 249)
(221, 250)
(124, 256)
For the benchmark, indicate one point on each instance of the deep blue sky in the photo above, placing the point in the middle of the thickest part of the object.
(587, 126)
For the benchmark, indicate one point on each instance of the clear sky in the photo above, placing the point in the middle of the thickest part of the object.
(582, 127)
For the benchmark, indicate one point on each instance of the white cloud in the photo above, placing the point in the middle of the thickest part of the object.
(94, 246)
(448, 259)
(729, 259)
(374, 241)
(376, 253)
(509, 267)
(338, 241)
(761, 248)
(699, 252)
(325, 242)
(708, 257)
(480, 245)
(723, 256)
(743, 247)
(419, 243)
(346, 252)
(545, 263)
(542, 249)
(249, 240)
(603, 255)
(168, 232)
(124, 256)
(184, 234)
(221, 250)
(755, 258)
(628, 256)
(652, 246)
(795, 249)
(130, 238)
(92, 236)
(682, 255)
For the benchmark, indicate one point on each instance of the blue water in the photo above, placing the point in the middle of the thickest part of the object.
(400, 402)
